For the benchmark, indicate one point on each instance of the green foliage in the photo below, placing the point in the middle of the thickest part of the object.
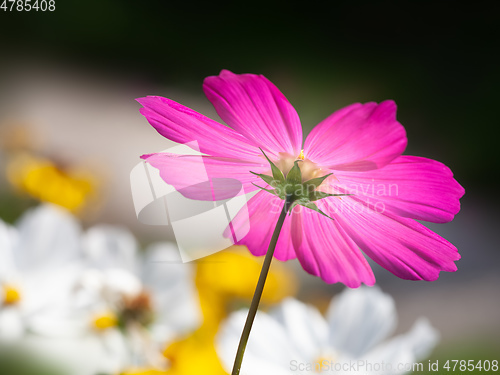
(473, 350)
(19, 361)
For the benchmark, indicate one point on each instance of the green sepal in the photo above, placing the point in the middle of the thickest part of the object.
(294, 177)
(312, 206)
(298, 202)
(313, 183)
(292, 190)
(267, 179)
(277, 174)
(316, 195)
(273, 192)
(308, 204)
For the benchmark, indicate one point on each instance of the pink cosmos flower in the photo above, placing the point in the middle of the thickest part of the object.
(360, 144)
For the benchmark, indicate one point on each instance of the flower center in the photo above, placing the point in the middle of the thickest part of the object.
(301, 155)
(309, 169)
(105, 321)
(130, 309)
(11, 294)
(137, 308)
(324, 363)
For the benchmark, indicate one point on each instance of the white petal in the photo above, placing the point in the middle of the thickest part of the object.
(59, 324)
(110, 247)
(115, 350)
(90, 284)
(171, 284)
(50, 305)
(11, 324)
(49, 237)
(359, 319)
(85, 355)
(392, 355)
(45, 289)
(269, 349)
(304, 324)
(8, 240)
(422, 338)
(403, 351)
(121, 282)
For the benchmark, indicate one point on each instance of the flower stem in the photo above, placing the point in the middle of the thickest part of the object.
(258, 291)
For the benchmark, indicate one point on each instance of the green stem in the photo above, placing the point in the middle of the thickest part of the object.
(258, 292)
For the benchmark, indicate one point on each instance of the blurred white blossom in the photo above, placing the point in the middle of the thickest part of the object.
(92, 302)
(294, 338)
(39, 262)
(133, 304)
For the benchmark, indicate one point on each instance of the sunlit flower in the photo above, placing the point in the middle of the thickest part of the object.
(295, 339)
(360, 146)
(39, 260)
(223, 280)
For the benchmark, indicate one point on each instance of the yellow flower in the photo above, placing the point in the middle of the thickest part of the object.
(223, 280)
(41, 179)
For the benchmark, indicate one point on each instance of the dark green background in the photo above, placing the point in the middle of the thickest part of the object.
(438, 61)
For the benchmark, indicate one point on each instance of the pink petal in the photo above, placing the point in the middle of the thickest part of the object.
(181, 124)
(359, 137)
(403, 246)
(206, 177)
(254, 107)
(409, 186)
(324, 249)
(263, 212)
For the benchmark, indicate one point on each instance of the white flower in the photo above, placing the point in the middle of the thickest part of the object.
(131, 305)
(39, 261)
(295, 339)
(91, 302)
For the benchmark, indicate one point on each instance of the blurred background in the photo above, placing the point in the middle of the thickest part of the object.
(68, 80)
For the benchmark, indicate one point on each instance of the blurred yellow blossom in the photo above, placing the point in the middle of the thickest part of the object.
(42, 179)
(223, 279)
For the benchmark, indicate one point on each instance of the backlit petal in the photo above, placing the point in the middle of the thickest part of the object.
(183, 125)
(401, 245)
(359, 137)
(409, 186)
(263, 212)
(206, 177)
(324, 249)
(254, 107)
